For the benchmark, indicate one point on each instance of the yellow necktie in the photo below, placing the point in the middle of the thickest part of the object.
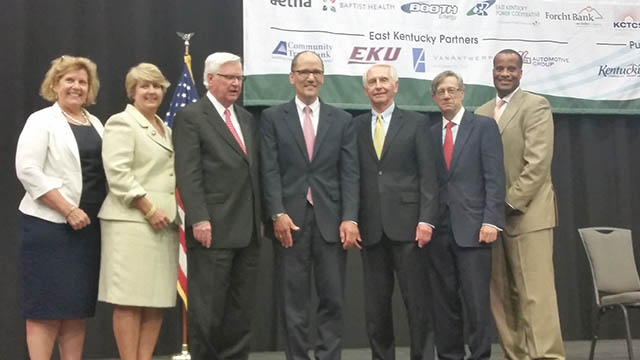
(378, 136)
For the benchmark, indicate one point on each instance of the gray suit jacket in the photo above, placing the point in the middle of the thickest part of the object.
(216, 180)
(473, 188)
(287, 172)
(400, 189)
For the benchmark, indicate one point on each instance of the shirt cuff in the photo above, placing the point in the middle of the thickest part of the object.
(426, 223)
(493, 226)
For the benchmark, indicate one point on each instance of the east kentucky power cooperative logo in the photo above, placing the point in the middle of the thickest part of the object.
(288, 49)
(291, 3)
(419, 60)
(329, 5)
(628, 19)
(480, 9)
(442, 10)
(372, 55)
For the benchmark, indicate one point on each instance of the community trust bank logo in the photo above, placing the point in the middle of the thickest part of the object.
(286, 50)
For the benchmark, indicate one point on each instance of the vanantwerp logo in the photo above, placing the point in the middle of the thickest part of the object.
(419, 60)
(480, 9)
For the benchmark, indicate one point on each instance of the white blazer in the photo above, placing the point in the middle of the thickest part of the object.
(47, 158)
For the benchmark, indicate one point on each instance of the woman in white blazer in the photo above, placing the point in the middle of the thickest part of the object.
(139, 266)
(58, 161)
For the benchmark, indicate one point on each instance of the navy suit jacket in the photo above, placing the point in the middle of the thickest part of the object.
(473, 189)
(332, 174)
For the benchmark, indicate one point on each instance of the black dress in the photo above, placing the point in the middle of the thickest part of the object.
(60, 266)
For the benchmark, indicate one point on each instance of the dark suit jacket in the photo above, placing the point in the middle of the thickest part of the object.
(287, 172)
(216, 180)
(473, 188)
(400, 189)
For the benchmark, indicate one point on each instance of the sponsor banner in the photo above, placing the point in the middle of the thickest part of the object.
(581, 53)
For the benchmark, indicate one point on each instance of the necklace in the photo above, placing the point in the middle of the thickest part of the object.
(83, 122)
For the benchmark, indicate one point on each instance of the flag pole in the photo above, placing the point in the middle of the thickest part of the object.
(184, 353)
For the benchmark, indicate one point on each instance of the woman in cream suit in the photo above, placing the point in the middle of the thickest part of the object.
(138, 272)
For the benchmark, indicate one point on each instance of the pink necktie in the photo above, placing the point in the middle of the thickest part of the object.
(309, 139)
(497, 112)
(227, 120)
(447, 146)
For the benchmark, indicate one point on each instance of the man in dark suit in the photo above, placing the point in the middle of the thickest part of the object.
(472, 190)
(217, 170)
(398, 206)
(309, 173)
(523, 293)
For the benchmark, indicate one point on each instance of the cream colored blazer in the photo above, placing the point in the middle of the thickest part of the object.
(138, 161)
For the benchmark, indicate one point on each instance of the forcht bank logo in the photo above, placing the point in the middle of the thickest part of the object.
(480, 9)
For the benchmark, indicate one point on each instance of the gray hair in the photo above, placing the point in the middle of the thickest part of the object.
(214, 61)
(440, 78)
(392, 71)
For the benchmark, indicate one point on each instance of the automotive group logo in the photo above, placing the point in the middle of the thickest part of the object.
(588, 16)
(480, 9)
(446, 11)
(286, 50)
(544, 61)
(624, 71)
(419, 60)
(372, 55)
(291, 3)
(628, 20)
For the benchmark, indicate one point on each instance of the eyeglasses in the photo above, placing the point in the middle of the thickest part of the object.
(450, 91)
(230, 77)
(306, 73)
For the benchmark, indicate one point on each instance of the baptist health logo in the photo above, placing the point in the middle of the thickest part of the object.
(480, 9)
(419, 60)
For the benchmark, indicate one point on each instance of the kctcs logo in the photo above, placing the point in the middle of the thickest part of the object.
(372, 55)
(480, 9)
(628, 19)
(419, 60)
(291, 3)
(435, 9)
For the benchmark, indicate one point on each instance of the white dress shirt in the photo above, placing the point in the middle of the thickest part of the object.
(454, 129)
(220, 109)
(315, 113)
(386, 119)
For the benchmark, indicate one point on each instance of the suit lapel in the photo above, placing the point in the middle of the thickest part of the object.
(292, 120)
(149, 130)
(466, 128)
(324, 124)
(511, 110)
(220, 127)
(365, 134)
(394, 127)
(247, 135)
(436, 131)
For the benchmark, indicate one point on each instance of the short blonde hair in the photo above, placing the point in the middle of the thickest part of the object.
(60, 67)
(144, 72)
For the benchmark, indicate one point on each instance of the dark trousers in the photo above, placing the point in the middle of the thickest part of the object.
(460, 275)
(309, 254)
(221, 285)
(409, 263)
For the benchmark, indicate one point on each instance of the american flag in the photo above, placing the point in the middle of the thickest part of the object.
(184, 93)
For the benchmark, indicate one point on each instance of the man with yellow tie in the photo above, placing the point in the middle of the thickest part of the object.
(398, 206)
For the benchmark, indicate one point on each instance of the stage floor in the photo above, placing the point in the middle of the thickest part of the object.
(575, 350)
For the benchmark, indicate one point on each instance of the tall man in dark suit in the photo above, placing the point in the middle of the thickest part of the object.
(216, 147)
(471, 178)
(523, 293)
(398, 206)
(309, 173)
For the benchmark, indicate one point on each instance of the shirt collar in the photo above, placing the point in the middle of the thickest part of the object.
(456, 119)
(216, 104)
(386, 114)
(315, 106)
(508, 97)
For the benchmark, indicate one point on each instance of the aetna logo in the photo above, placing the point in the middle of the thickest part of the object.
(291, 3)
(372, 55)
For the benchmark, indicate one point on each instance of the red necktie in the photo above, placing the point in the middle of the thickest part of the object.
(309, 139)
(227, 120)
(447, 146)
